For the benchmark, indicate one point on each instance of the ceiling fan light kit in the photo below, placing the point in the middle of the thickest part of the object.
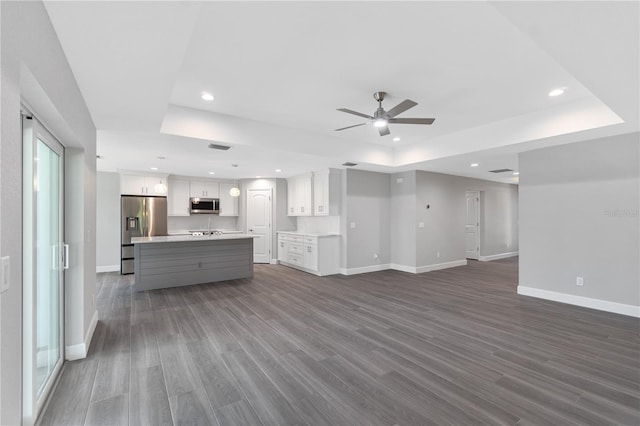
(382, 118)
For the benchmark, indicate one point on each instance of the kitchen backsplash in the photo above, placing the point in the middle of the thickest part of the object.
(319, 224)
(200, 222)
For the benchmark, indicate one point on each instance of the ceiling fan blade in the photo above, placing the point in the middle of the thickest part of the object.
(401, 107)
(348, 127)
(412, 120)
(348, 111)
(384, 131)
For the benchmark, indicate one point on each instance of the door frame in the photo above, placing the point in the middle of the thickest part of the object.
(34, 130)
(270, 221)
(477, 233)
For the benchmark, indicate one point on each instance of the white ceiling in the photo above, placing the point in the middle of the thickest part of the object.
(279, 71)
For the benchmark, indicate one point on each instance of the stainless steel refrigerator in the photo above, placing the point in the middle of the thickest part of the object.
(140, 217)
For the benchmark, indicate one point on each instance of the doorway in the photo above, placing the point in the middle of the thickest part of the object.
(44, 258)
(259, 223)
(472, 224)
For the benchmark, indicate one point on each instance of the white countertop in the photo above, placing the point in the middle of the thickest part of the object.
(189, 231)
(306, 234)
(183, 238)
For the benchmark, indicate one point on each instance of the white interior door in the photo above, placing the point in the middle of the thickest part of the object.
(43, 264)
(259, 223)
(472, 225)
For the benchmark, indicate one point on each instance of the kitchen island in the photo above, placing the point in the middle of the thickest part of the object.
(180, 260)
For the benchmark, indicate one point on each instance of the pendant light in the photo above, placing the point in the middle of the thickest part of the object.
(234, 191)
(160, 188)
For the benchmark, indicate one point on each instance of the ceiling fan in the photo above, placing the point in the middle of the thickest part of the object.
(382, 118)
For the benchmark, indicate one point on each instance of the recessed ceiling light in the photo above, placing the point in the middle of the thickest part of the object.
(154, 168)
(516, 173)
(212, 173)
(207, 96)
(396, 139)
(556, 92)
(474, 164)
(278, 170)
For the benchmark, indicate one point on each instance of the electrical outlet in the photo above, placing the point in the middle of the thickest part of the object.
(420, 224)
(399, 180)
(353, 225)
(438, 255)
(5, 274)
(579, 281)
(375, 255)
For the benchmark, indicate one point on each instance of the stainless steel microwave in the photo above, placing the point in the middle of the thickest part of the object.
(204, 205)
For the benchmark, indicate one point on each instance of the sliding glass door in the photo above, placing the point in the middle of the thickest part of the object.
(43, 162)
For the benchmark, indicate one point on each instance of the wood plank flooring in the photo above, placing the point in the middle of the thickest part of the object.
(456, 346)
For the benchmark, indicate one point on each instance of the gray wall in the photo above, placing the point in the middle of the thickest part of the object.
(283, 221)
(108, 219)
(403, 218)
(367, 202)
(35, 70)
(444, 229)
(579, 217)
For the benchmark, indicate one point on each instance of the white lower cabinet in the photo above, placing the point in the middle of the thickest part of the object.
(311, 256)
(316, 254)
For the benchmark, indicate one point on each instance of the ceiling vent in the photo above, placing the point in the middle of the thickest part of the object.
(349, 164)
(500, 170)
(220, 147)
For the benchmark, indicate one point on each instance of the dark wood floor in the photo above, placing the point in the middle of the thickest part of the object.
(457, 346)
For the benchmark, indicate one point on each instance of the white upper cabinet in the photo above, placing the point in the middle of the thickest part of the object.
(133, 184)
(304, 191)
(300, 195)
(314, 194)
(204, 189)
(228, 204)
(326, 192)
(178, 198)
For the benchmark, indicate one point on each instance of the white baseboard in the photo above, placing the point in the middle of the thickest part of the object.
(274, 261)
(437, 266)
(80, 350)
(498, 256)
(428, 268)
(107, 268)
(364, 269)
(402, 268)
(587, 302)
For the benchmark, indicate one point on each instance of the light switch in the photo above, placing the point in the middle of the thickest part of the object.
(5, 274)
(421, 225)
(353, 225)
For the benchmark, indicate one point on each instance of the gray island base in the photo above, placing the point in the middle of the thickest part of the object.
(175, 261)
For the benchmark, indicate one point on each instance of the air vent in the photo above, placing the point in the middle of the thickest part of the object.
(349, 164)
(221, 147)
(500, 170)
